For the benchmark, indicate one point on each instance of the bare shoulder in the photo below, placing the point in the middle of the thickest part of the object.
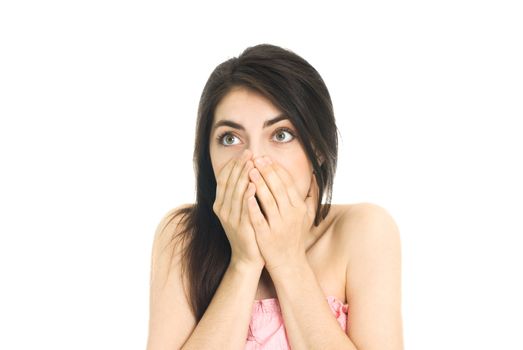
(166, 252)
(170, 220)
(371, 241)
(364, 221)
(170, 225)
(170, 320)
(364, 228)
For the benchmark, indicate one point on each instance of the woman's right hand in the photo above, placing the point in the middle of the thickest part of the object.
(232, 192)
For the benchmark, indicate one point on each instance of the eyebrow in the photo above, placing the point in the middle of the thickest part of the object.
(235, 125)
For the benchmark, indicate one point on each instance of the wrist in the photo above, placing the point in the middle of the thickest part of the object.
(289, 268)
(245, 267)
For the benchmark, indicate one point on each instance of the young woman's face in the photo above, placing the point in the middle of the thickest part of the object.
(251, 110)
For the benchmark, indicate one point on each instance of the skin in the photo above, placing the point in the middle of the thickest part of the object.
(365, 236)
(279, 142)
(251, 110)
(359, 261)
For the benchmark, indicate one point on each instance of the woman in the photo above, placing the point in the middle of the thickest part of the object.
(258, 262)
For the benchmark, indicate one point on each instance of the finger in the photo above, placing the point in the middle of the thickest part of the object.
(231, 182)
(241, 186)
(249, 192)
(258, 222)
(274, 183)
(265, 197)
(221, 184)
(289, 183)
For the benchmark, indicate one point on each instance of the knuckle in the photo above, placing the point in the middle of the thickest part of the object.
(223, 215)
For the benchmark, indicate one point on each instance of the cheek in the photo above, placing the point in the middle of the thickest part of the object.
(217, 167)
(218, 161)
(220, 158)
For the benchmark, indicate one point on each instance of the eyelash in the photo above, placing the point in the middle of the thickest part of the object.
(220, 137)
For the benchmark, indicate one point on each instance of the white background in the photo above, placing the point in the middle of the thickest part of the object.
(98, 104)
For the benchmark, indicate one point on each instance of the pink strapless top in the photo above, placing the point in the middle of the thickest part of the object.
(267, 331)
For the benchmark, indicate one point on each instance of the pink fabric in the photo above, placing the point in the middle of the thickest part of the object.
(267, 331)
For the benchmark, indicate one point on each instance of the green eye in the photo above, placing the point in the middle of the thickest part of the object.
(282, 131)
(227, 138)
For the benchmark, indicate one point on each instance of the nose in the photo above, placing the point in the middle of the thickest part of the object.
(256, 151)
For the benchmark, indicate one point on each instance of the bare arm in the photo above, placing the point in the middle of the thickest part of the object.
(225, 323)
(170, 317)
(172, 325)
(373, 289)
(309, 321)
(373, 278)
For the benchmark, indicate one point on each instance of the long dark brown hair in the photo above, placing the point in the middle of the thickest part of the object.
(294, 86)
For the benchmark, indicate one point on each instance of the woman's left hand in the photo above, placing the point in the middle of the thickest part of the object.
(289, 217)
